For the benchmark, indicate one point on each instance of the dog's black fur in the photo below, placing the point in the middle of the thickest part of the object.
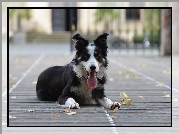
(57, 83)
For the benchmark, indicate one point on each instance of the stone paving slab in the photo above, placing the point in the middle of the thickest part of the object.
(154, 110)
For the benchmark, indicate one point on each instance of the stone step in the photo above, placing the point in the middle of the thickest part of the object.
(43, 37)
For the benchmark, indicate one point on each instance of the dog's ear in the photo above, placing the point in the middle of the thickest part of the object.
(101, 41)
(81, 43)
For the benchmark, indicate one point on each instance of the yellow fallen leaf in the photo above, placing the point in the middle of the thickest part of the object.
(13, 85)
(66, 110)
(134, 74)
(168, 71)
(159, 85)
(116, 109)
(112, 117)
(111, 79)
(123, 95)
(119, 72)
(167, 96)
(34, 82)
(127, 76)
(71, 113)
(142, 97)
(127, 71)
(127, 102)
(57, 116)
(12, 116)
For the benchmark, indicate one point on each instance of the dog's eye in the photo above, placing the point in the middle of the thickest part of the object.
(98, 57)
(85, 57)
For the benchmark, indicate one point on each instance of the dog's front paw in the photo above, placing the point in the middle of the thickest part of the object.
(114, 105)
(70, 103)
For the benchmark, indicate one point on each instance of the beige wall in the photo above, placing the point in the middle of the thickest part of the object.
(86, 20)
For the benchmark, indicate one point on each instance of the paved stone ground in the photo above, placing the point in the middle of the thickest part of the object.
(139, 77)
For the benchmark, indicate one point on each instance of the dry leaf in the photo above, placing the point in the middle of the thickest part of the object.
(13, 85)
(159, 85)
(123, 95)
(142, 97)
(111, 79)
(127, 71)
(168, 71)
(134, 74)
(66, 110)
(57, 116)
(119, 72)
(112, 117)
(71, 113)
(31, 111)
(127, 76)
(138, 114)
(34, 82)
(12, 116)
(116, 109)
(127, 102)
(167, 96)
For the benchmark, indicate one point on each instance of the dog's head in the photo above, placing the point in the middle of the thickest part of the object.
(91, 58)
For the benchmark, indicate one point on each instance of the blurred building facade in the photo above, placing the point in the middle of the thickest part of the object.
(52, 21)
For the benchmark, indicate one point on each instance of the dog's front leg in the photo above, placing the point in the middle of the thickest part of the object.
(98, 95)
(68, 102)
(106, 102)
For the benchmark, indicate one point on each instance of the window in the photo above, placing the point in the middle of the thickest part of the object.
(132, 14)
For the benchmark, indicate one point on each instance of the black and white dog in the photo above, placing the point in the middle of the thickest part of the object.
(80, 82)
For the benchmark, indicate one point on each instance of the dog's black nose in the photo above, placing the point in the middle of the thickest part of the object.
(92, 67)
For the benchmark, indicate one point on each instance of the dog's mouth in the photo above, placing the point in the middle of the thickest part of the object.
(91, 79)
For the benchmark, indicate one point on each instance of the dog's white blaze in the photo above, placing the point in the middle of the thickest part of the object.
(92, 60)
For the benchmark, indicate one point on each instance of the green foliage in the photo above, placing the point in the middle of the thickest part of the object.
(107, 16)
(138, 38)
(152, 21)
(153, 39)
(23, 13)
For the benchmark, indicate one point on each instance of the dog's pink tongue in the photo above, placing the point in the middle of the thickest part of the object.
(92, 81)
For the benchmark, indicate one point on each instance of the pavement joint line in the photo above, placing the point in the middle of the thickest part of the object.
(30, 68)
(143, 75)
(114, 130)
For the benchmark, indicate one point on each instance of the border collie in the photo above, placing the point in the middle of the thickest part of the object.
(81, 81)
